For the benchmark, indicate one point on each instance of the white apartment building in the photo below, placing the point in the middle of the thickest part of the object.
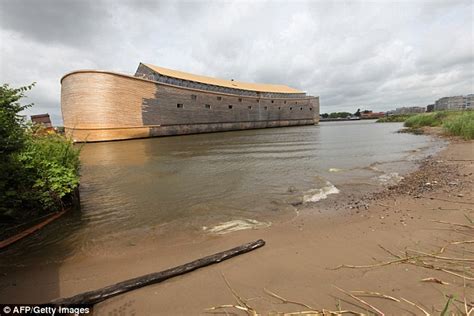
(459, 102)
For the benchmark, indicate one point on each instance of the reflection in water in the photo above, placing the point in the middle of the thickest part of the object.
(163, 185)
(52, 244)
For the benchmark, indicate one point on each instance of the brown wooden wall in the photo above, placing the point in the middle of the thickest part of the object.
(100, 106)
(203, 107)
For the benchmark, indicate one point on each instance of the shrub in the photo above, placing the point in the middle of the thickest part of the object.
(458, 123)
(37, 168)
(12, 141)
(461, 125)
(52, 163)
(425, 119)
(394, 118)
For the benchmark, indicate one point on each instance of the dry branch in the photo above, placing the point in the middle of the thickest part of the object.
(462, 242)
(390, 252)
(242, 303)
(401, 260)
(417, 306)
(433, 267)
(454, 224)
(284, 300)
(443, 258)
(435, 280)
(243, 306)
(375, 294)
(378, 311)
(456, 274)
(454, 243)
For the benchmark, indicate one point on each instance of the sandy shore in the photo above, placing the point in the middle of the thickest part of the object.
(298, 260)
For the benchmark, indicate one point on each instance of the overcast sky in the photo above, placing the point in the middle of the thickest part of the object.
(376, 55)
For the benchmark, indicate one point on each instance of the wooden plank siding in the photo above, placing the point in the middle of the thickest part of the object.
(102, 106)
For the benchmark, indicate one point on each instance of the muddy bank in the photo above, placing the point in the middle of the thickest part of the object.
(298, 260)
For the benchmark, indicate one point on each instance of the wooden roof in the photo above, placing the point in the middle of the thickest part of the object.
(259, 87)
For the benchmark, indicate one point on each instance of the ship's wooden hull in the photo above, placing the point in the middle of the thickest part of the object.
(104, 106)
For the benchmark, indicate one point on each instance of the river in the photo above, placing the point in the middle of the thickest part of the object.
(215, 183)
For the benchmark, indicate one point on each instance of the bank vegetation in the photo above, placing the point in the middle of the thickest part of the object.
(455, 123)
(394, 118)
(39, 168)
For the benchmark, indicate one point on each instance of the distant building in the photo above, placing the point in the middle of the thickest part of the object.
(408, 110)
(459, 102)
(42, 119)
(430, 108)
(469, 101)
(367, 114)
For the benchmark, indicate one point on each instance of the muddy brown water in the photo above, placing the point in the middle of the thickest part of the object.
(214, 183)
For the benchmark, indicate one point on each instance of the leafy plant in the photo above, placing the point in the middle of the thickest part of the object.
(38, 168)
(11, 122)
(53, 163)
(12, 141)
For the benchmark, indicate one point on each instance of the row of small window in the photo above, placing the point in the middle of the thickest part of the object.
(208, 106)
(194, 97)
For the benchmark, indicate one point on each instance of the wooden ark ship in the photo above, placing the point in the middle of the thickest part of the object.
(103, 106)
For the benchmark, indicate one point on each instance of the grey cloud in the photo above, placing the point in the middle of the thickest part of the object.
(350, 53)
(53, 21)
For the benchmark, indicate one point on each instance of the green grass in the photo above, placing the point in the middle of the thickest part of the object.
(462, 125)
(426, 119)
(457, 123)
(394, 118)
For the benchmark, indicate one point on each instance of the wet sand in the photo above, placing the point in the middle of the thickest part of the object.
(298, 258)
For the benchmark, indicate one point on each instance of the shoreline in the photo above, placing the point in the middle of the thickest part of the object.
(298, 256)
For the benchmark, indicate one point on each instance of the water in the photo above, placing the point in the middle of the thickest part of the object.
(210, 182)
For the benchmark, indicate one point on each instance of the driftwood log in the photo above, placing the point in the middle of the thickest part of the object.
(30, 230)
(97, 296)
